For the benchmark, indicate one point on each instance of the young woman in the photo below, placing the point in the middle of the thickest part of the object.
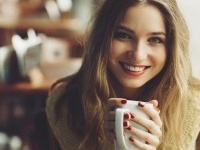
(137, 49)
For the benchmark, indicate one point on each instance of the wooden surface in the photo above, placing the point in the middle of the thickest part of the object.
(24, 88)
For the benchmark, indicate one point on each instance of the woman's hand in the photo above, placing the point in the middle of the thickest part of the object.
(153, 125)
(109, 117)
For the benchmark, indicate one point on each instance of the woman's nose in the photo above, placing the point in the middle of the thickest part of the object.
(138, 51)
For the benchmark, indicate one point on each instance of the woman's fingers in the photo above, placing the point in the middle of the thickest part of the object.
(116, 102)
(144, 135)
(155, 105)
(111, 105)
(154, 102)
(153, 126)
(152, 113)
(109, 127)
(149, 124)
(109, 116)
(141, 145)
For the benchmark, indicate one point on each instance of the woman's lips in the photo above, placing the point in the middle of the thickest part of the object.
(134, 70)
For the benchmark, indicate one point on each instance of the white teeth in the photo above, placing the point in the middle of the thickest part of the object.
(132, 68)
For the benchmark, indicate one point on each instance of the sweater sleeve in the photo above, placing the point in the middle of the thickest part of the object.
(194, 117)
(59, 126)
(191, 124)
(198, 121)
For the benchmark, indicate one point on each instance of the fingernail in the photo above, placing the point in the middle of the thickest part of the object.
(125, 123)
(131, 139)
(132, 115)
(140, 104)
(123, 101)
(129, 128)
(126, 116)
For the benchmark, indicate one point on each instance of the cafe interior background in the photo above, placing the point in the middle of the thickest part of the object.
(40, 42)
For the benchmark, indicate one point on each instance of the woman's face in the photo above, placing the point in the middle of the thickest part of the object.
(138, 50)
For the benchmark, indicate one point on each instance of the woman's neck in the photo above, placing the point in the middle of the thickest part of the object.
(129, 93)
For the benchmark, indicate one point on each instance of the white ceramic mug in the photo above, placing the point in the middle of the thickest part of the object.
(122, 138)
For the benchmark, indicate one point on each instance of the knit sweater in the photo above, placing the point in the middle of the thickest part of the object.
(69, 141)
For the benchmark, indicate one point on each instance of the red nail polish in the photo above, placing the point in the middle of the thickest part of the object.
(126, 116)
(125, 124)
(129, 128)
(131, 139)
(123, 101)
(140, 104)
(132, 115)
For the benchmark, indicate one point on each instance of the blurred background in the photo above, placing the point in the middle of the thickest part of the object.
(40, 42)
(191, 12)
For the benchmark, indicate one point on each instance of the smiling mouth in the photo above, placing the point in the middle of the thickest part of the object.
(134, 68)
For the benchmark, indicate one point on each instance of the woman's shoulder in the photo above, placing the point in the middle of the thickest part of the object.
(58, 123)
(57, 89)
(193, 107)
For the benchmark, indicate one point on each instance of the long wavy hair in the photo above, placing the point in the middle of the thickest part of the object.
(86, 92)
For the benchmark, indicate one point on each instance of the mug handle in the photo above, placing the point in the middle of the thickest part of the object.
(119, 128)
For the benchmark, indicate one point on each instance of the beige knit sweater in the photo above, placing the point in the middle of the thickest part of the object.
(69, 141)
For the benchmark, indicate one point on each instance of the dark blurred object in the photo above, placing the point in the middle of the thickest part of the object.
(25, 119)
(9, 69)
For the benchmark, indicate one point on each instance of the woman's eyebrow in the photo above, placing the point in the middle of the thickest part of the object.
(158, 33)
(120, 27)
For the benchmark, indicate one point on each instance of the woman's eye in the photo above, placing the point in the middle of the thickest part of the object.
(122, 35)
(155, 40)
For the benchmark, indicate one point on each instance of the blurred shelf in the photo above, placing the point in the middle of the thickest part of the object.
(66, 27)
